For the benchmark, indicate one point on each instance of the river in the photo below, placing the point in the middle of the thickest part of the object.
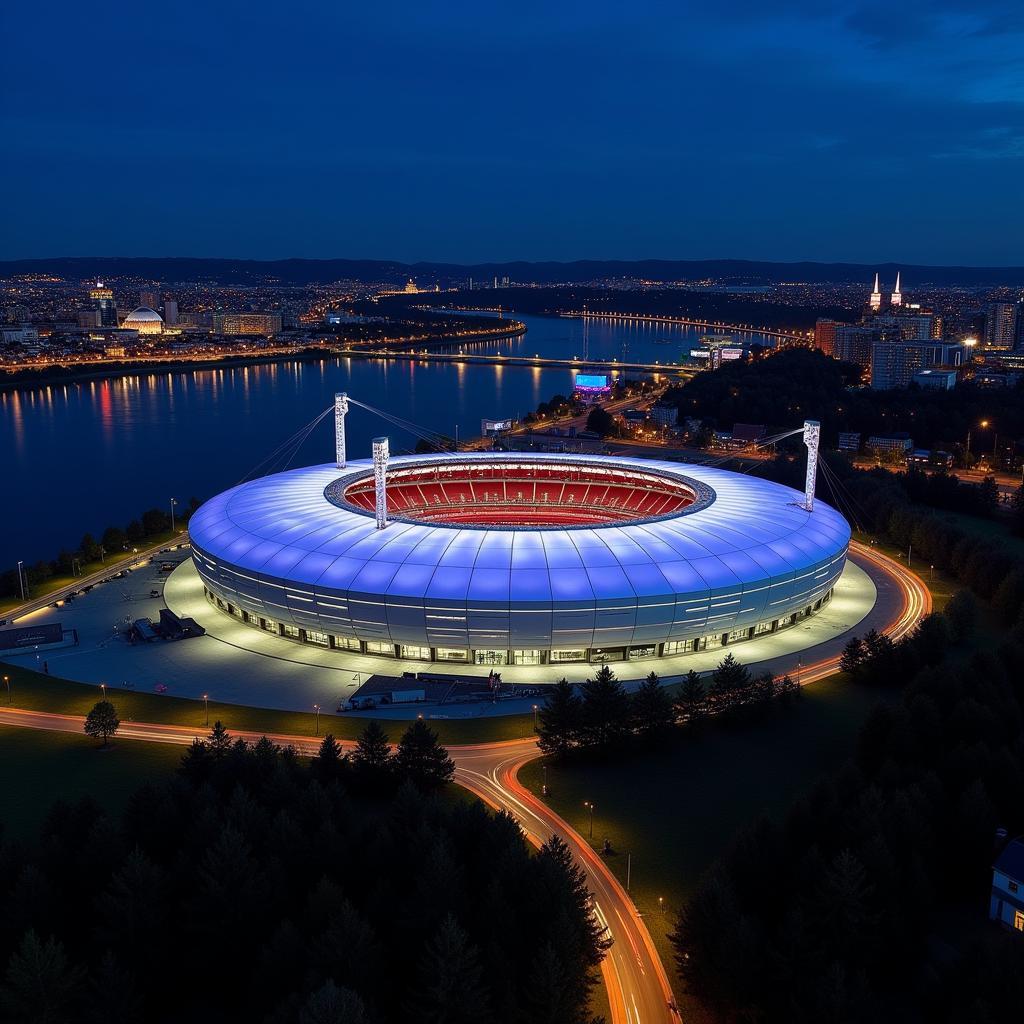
(81, 456)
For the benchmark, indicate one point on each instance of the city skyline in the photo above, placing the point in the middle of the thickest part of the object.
(461, 136)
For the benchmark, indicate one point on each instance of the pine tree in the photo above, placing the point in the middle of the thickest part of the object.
(40, 983)
(327, 765)
(332, 1005)
(559, 720)
(451, 988)
(729, 683)
(853, 655)
(219, 741)
(692, 700)
(605, 709)
(421, 758)
(651, 709)
(372, 760)
(102, 722)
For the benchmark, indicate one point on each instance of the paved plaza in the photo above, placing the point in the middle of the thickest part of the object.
(239, 664)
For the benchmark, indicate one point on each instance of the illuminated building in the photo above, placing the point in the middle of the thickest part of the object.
(825, 335)
(144, 320)
(150, 299)
(894, 363)
(1000, 324)
(506, 558)
(103, 302)
(896, 299)
(875, 302)
(264, 324)
(170, 311)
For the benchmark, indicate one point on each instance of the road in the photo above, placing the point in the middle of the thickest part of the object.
(636, 981)
(33, 604)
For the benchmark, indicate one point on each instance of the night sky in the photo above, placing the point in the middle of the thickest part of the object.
(466, 132)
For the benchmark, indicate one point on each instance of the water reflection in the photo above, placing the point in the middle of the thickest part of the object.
(121, 446)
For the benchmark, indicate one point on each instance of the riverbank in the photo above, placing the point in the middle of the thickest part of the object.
(56, 373)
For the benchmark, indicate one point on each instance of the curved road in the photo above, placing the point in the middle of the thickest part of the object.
(635, 978)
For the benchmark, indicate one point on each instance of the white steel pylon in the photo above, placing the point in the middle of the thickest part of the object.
(812, 435)
(340, 409)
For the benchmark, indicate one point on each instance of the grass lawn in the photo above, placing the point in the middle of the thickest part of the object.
(674, 810)
(36, 691)
(55, 583)
(941, 585)
(40, 767)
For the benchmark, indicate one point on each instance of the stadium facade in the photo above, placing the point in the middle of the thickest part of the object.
(520, 559)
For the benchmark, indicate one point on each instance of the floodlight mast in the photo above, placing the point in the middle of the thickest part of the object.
(380, 471)
(812, 436)
(340, 409)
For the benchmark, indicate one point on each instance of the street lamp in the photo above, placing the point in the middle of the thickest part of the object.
(174, 501)
(206, 704)
(316, 708)
(103, 688)
(7, 683)
(589, 804)
(534, 717)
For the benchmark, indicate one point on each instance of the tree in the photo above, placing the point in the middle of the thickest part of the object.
(600, 421)
(219, 741)
(729, 681)
(332, 1005)
(327, 765)
(605, 709)
(372, 759)
(421, 758)
(451, 986)
(559, 720)
(102, 722)
(651, 709)
(853, 655)
(962, 612)
(691, 702)
(40, 982)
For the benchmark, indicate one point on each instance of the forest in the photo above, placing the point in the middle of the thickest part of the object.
(256, 885)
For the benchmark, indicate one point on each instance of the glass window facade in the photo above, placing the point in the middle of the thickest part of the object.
(414, 653)
(452, 654)
(578, 654)
(315, 637)
(490, 657)
(380, 647)
(527, 657)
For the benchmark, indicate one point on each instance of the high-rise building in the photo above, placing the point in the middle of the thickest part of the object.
(103, 302)
(247, 323)
(852, 343)
(1018, 333)
(170, 311)
(896, 299)
(894, 363)
(1001, 324)
(875, 302)
(149, 298)
(910, 324)
(825, 335)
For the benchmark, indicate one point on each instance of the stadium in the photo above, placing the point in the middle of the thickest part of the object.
(504, 558)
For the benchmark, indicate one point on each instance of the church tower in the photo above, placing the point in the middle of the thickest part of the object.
(875, 302)
(896, 299)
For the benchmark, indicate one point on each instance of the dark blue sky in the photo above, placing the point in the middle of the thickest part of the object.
(455, 131)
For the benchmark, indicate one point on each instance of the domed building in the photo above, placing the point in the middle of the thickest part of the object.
(144, 320)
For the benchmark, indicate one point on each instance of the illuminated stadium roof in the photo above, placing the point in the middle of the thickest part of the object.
(481, 552)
